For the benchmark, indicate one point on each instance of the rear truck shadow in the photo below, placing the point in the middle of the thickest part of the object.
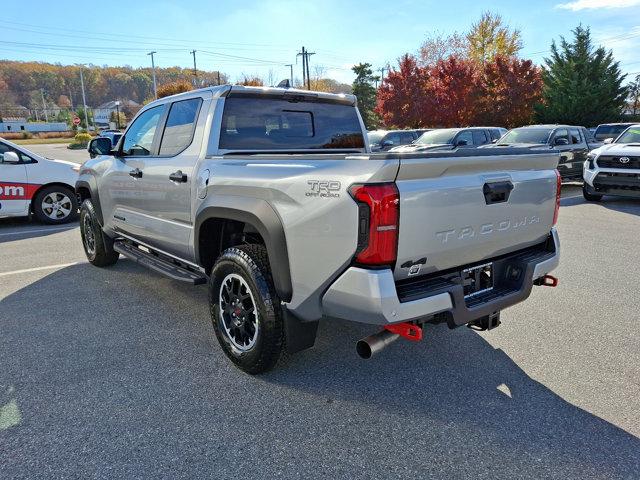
(450, 401)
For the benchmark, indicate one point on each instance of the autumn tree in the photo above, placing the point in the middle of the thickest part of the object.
(172, 88)
(454, 84)
(251, 81)
(365, 92)
(439, 46)
(490, 37)
(404, 98)
(582, 84)
(509, 90)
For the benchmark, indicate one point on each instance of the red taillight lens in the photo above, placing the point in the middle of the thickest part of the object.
(379, 212)
(558, 193)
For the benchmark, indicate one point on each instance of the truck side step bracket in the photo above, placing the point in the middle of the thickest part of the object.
(159, 264)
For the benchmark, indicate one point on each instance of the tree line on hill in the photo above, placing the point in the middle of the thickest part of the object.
(24, 83)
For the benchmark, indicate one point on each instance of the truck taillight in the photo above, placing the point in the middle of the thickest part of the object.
(378, 216)
(558, 193)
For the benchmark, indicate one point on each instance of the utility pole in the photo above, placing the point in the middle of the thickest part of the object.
(382, 70)
(308, 76)
(153, 71)
(44, 106)
(290, 65)
(218, 72)
(303, 52)
(84, 102)
(306, 80)
(195, 70)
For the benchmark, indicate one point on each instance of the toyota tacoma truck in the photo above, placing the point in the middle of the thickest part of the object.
(614, 168)
(272, 198)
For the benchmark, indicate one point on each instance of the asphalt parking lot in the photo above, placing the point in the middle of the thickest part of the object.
(59, 151)
(115, 373)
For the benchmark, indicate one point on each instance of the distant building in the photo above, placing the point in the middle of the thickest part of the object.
(21, 125)
(102, 114)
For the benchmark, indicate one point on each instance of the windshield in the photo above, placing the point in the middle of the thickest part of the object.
(632, 135)
(610, 130)
(437, 137)
(375, 137)
(527, 135)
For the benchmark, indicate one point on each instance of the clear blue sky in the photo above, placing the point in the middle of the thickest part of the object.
(341, 32)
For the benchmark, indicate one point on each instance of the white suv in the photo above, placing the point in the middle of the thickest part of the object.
(614, 168)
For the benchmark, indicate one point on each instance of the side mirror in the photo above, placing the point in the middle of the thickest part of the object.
(606, 141)
(461, 143)
(561, 141)
(10, 157)
(100, 146)
(387, 143)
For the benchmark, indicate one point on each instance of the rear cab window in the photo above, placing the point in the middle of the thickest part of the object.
(254, 122)
(181, 123)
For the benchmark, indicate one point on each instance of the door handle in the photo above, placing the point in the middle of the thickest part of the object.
(178, 177)
(136, 173)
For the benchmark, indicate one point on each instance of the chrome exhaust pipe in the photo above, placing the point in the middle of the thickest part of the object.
(367, 347)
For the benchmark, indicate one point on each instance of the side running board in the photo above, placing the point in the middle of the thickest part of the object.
(162, 265)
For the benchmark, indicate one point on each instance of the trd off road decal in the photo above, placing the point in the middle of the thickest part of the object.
(17, 191)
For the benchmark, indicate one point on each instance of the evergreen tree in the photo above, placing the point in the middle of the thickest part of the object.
(366, 94)
(582, 85)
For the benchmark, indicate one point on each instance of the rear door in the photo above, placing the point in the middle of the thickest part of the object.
(15, 191)
(167, 180)
(446, 218)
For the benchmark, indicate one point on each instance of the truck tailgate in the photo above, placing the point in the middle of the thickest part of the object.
(459, 208)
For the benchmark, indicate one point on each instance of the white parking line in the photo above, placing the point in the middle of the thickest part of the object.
(38, 269)
(39, 230)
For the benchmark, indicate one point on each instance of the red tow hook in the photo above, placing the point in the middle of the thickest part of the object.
(549, 281)
(406, 330)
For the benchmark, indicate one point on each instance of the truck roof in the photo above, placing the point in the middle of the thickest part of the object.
(225, 90)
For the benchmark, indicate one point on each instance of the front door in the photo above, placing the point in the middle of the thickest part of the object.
(15, 191)
(120, 191)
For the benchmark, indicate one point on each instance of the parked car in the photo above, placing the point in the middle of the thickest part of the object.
(263, 194)
(614, 169)
(113, 135)
(573, 142)
(450, 138)
(610, 130)
(382, 140)
(30, 183)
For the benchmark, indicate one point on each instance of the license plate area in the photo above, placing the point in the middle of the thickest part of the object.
(477, 280)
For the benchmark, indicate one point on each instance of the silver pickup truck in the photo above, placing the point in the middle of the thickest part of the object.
(272, 198)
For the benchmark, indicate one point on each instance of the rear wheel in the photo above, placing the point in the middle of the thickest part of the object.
(55, 204)
(590, 197)
(98, 247)
(245, 309)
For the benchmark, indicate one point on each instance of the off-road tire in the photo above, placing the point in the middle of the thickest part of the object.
(251, 264)
(71, 203)
(102, 254)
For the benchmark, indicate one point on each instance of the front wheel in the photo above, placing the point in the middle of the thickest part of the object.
(55, 204)
(590, 197)
(98, 247)
(245, 309)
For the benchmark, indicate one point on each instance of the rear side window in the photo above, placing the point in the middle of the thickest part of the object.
(574, 135)
(479, 137)
(495, 134)
(262, 123)
(181, 123)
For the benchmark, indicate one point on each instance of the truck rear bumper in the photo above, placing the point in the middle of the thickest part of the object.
(374, 297)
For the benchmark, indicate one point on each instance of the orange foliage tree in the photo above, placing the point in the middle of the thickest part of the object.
(172, 88)
(456, 92)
